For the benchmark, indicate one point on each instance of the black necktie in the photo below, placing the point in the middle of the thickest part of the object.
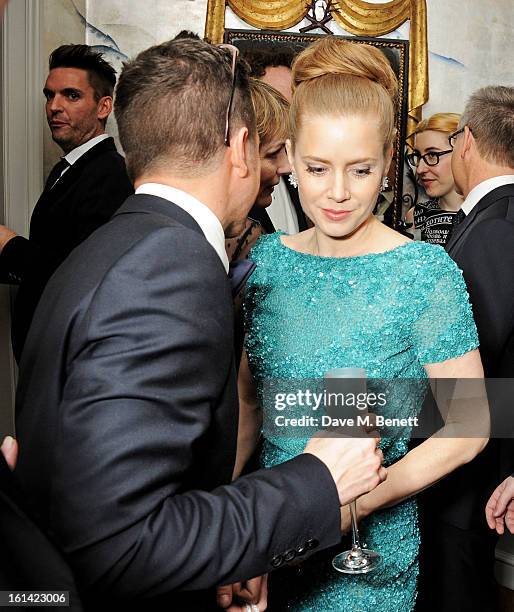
(459, 217)
(55, 173)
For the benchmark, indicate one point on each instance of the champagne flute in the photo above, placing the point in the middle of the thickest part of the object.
(357, 560)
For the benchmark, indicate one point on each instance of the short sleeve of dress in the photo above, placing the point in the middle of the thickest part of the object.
(262, 255)
(444, 327)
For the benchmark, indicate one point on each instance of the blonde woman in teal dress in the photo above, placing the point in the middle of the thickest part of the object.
(351, 292)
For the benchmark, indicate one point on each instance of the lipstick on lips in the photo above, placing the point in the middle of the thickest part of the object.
(336, 215)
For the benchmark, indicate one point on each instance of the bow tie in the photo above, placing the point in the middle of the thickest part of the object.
(239, 272)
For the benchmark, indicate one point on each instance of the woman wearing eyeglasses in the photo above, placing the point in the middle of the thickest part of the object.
(431, 160)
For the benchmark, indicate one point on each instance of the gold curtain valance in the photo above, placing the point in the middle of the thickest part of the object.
(270, 14)
(361, 18)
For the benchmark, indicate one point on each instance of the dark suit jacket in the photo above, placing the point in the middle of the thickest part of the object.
(127, 422)
(28, 560)
(483, 247)
(85, 197)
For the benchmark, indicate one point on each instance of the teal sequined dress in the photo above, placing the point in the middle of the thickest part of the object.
(388, 313)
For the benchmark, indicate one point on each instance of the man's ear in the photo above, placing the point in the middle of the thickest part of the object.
(468, 141)
(104, 108)
(241, 154)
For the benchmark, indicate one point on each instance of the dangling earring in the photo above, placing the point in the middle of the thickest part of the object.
(293, 179)
(385, 184)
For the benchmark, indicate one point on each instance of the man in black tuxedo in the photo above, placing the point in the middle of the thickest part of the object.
(127, 405)
(459, 549)
(82, 191)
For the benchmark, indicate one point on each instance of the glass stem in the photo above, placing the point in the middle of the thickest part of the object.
(356, 544)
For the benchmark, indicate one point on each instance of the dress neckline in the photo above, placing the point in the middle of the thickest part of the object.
(395, 249)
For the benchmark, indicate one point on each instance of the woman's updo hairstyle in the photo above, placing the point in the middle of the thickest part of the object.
(336, 77)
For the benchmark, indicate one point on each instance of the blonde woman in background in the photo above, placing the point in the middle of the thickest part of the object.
(272, 119)
(351, 292)
(431, 160)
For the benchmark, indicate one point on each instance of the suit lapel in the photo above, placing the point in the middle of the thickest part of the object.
(51, 196)
(459, 230)
(70, 176)
(489, 199)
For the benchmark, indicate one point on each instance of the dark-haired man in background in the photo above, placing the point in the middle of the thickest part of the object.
(82, 191)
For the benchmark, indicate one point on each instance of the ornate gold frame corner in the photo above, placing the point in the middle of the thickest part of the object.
(355, 16)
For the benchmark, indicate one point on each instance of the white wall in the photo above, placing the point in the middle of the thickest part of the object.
(21, 176)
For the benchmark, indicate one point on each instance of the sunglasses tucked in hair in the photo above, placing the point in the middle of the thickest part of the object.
(235, 52)
(175, 107)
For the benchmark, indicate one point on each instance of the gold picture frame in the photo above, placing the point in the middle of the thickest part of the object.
(397, 53)
(355, 16)
(367, 22)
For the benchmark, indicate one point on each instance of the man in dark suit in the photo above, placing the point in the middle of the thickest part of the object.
(127, 405)
(459, 549)
(82, 191)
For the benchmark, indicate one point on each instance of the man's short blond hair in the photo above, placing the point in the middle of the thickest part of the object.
(171, 104)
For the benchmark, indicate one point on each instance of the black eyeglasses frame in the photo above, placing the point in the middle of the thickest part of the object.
(416, 154)
(454, 136)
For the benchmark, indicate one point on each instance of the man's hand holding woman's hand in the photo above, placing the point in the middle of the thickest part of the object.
(355, 463)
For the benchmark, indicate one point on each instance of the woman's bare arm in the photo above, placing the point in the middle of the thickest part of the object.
(440, 454)
(250, 416)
